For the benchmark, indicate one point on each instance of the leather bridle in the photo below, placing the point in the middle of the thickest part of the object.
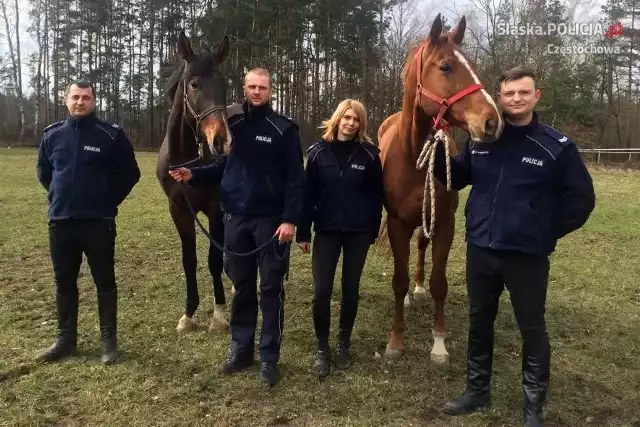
(445, 103)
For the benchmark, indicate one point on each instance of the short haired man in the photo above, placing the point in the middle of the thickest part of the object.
(262, 190)
(529, 189)
(88, 167)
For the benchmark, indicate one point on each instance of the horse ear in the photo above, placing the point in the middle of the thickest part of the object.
(184, 47)
(436, 30)
(223, 49)
(457, 35)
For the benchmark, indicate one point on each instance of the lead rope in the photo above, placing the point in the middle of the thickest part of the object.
(427, 158)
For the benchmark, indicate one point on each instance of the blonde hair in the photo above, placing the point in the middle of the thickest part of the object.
(331, 125)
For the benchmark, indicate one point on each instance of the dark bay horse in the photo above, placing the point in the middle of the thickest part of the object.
(197, 90)
(440, 86)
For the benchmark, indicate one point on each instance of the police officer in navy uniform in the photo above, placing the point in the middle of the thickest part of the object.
(529, 189)
(262, 185)
(343, 200)
(88, 167)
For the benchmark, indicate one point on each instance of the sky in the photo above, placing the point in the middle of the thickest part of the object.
(430, 7)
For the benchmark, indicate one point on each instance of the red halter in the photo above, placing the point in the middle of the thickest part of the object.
(445, 103)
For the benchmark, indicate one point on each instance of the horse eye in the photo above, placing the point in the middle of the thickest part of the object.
(193, 84)
(445, 68)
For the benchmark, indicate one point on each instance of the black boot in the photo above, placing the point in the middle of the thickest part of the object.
(107, 310)
(269, 373)
(237, 362)
(66, 339)
(322, 365)
(479, 363)
(342, 355)
(535, 376)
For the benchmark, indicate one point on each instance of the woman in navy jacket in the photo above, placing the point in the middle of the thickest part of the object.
(343, 200)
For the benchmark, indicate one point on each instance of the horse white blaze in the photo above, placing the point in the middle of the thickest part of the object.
(476, 80)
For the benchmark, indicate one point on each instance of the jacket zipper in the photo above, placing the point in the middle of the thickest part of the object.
(242, 193)
(75, 150)
(495, 197)
(75, 153)
(493, 206)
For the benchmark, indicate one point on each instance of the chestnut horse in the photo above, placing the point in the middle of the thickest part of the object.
(440, 85)
(197, 90)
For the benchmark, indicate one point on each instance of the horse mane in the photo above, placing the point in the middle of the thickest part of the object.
(171, 74)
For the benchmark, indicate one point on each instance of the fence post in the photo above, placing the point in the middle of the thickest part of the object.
(598, 157)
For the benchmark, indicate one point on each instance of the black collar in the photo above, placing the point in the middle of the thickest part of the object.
(82, 121)
(522, 129)
(256, 112)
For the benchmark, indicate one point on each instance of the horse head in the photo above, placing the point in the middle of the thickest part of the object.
(447, 87)
(198, 90)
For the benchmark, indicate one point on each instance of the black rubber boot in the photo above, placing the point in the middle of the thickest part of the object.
(108, 313)
(66, 339)
(535, 376)
(477, 394)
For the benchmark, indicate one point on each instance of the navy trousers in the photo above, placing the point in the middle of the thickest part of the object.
(242, 235)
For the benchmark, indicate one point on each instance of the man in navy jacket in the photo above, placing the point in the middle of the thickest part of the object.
(88, 168)
(261, 193)
(529, 189)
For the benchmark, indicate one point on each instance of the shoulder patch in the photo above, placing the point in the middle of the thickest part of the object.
(53, 125)
(314, 147)
(370, 147)
(110, 129)
(234, 110)
(115, 126)
(556, 135)
(281, 122)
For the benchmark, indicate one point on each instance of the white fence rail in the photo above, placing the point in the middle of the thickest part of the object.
(600, 151)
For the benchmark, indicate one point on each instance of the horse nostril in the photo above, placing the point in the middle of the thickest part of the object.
(490, 126)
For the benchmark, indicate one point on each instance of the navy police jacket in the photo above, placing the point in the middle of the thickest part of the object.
(342, 199)
(87, 166)
(529, 188)
(263, 175)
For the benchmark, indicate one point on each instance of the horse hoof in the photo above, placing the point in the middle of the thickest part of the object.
(407, 301)
(440, 359)
(218, 323)
(419, 292)
(439, 354)
(186, 324)
(392, 354)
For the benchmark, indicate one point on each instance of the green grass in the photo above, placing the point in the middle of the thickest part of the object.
(165, 379)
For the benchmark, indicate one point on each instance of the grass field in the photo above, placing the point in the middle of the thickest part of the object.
(165, 379)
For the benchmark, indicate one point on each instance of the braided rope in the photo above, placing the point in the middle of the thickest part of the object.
(427, 158)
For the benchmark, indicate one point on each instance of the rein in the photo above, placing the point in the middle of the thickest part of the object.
(428, 157)
(428, 154)
(222, 248)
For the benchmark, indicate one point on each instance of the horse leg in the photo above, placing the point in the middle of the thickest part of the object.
(216, 230)
(441, 245)
(419, 290)
(400, 240)
(187, 232)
